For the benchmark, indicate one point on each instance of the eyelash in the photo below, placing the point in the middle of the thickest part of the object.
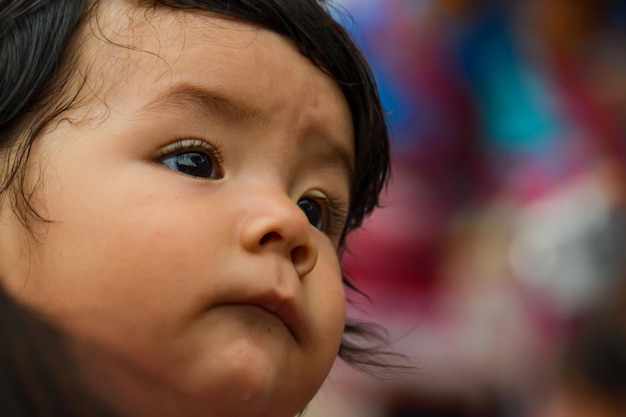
(188, 145)
(336, 213)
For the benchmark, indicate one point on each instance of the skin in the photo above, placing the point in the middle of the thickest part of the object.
(218, 287)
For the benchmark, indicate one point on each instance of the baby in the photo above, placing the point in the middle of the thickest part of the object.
(178, 181)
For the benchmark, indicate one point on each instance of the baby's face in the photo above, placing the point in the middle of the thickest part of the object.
(190, 226)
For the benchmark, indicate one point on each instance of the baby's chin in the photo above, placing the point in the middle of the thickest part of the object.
(138, 396)
(246, 383)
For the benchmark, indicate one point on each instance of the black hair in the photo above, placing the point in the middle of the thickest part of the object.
(34, 38)
(39, 374)
(38, 84)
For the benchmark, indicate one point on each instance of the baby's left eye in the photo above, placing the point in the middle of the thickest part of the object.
(325, 213)
(313, 211)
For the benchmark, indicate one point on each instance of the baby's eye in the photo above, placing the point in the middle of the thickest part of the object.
(313, 211)
(324, 213)
(194, 158)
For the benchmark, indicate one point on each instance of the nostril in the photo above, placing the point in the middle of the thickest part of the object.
(299, 255)
(269, 237)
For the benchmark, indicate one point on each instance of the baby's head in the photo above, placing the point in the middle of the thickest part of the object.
(178, 180)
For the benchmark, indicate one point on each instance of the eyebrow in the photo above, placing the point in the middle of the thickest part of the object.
(339, 157)
(187, 97)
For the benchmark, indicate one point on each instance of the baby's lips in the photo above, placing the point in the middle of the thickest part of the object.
(281, 305)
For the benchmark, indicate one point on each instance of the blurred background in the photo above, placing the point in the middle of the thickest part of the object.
(498, 265)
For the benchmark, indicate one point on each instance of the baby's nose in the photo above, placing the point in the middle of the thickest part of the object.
(276, 223)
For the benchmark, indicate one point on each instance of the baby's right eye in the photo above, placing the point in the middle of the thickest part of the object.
(188, 159)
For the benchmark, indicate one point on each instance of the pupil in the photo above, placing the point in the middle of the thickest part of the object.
(312, 211)
(195, 164)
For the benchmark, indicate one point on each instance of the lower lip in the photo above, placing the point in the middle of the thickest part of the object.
(268, 312)
(258, 311)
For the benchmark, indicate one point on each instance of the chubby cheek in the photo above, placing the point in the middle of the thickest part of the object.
(139, 268)
(326, 307)
(327, 302)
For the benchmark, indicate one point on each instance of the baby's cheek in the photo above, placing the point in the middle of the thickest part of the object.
(330, 300)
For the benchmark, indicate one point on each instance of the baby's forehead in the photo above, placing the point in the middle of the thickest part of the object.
(148, 53)
(121, 38)
(146, 27)
(124, 40)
